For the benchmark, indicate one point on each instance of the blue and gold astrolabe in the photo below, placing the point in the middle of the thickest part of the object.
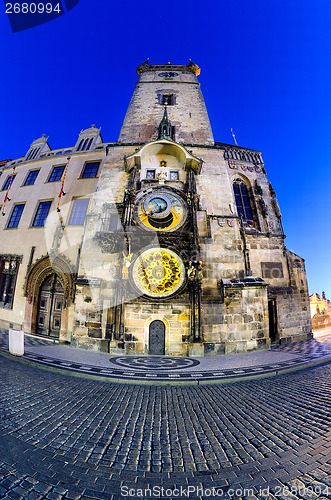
(160, 210)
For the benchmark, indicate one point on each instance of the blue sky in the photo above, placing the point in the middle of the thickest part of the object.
(265, 72)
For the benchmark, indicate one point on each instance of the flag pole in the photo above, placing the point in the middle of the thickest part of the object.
(234, 137)
(6, 195)
(62, 193)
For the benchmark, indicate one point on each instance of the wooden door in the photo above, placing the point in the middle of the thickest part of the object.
(50, 307)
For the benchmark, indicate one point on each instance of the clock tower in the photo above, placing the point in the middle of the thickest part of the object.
(178, 87)
(183, 249)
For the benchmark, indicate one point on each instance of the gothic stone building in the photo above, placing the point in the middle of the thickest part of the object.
(164, 242)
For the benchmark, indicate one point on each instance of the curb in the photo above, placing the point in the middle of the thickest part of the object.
(267, 374)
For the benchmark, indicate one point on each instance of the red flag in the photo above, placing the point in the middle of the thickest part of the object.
(6, 195)
(61, 193)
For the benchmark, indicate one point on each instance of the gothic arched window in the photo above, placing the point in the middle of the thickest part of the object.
(243, 203)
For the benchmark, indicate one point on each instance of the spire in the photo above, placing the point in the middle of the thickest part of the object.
(234, 137)
(165, 128)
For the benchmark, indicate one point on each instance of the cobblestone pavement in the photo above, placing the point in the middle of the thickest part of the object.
(63, 437)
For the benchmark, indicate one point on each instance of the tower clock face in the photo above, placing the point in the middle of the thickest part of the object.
(158, 272)
(160, 210)
(168, 74)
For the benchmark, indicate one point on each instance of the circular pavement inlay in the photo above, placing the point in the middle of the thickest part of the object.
(154, 362)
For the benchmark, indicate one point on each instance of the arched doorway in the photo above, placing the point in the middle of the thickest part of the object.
(50, 306)
(272, 309)
(157, 338)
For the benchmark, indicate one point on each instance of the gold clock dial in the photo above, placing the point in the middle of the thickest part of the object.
(160, 210)
(158, 272)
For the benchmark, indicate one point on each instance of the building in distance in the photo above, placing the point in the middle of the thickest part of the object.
(320, 308)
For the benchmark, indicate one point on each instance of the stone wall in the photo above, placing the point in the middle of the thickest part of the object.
(293, 305)
(189, 115)
(175, 315)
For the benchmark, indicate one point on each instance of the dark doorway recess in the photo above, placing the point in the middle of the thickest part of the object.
(157, 337)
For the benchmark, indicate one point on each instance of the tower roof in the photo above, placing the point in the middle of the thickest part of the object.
(145, 66)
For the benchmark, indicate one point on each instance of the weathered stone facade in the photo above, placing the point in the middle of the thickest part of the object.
(182, 249)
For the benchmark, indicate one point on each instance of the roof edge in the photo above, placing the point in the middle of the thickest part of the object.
(145, 66)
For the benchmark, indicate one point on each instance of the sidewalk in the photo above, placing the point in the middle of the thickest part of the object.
(174, 370)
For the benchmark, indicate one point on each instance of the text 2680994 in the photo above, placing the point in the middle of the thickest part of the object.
(33, 8)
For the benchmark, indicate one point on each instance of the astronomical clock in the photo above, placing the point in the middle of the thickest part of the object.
(159, 272)
(160, 210)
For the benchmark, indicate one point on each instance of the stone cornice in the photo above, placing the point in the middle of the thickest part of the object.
(191, 67)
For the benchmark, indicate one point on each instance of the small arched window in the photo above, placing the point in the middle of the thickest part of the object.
(242, 201)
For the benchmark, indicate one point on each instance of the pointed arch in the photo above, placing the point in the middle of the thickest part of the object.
(45, 267)
(244, 201)
(42, 269)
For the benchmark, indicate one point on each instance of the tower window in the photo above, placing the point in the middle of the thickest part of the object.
(167, 99)
(15, 216)
(41, 214)
(56, 174)
(90, 170)
(150, 174)
(78, 213)
(32, 176)
(242, 201)
(174, 175)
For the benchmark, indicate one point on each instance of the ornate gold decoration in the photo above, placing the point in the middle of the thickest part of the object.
(126, 265)
(194, 271)
(158, 272)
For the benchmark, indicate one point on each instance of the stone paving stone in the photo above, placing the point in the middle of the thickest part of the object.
(203, 426)
(2, 491)
(74, 494)
(9, 482)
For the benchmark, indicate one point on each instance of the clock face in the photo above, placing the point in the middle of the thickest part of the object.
(168, 74)
(157, 206)
(160, 210)
(158, 272)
